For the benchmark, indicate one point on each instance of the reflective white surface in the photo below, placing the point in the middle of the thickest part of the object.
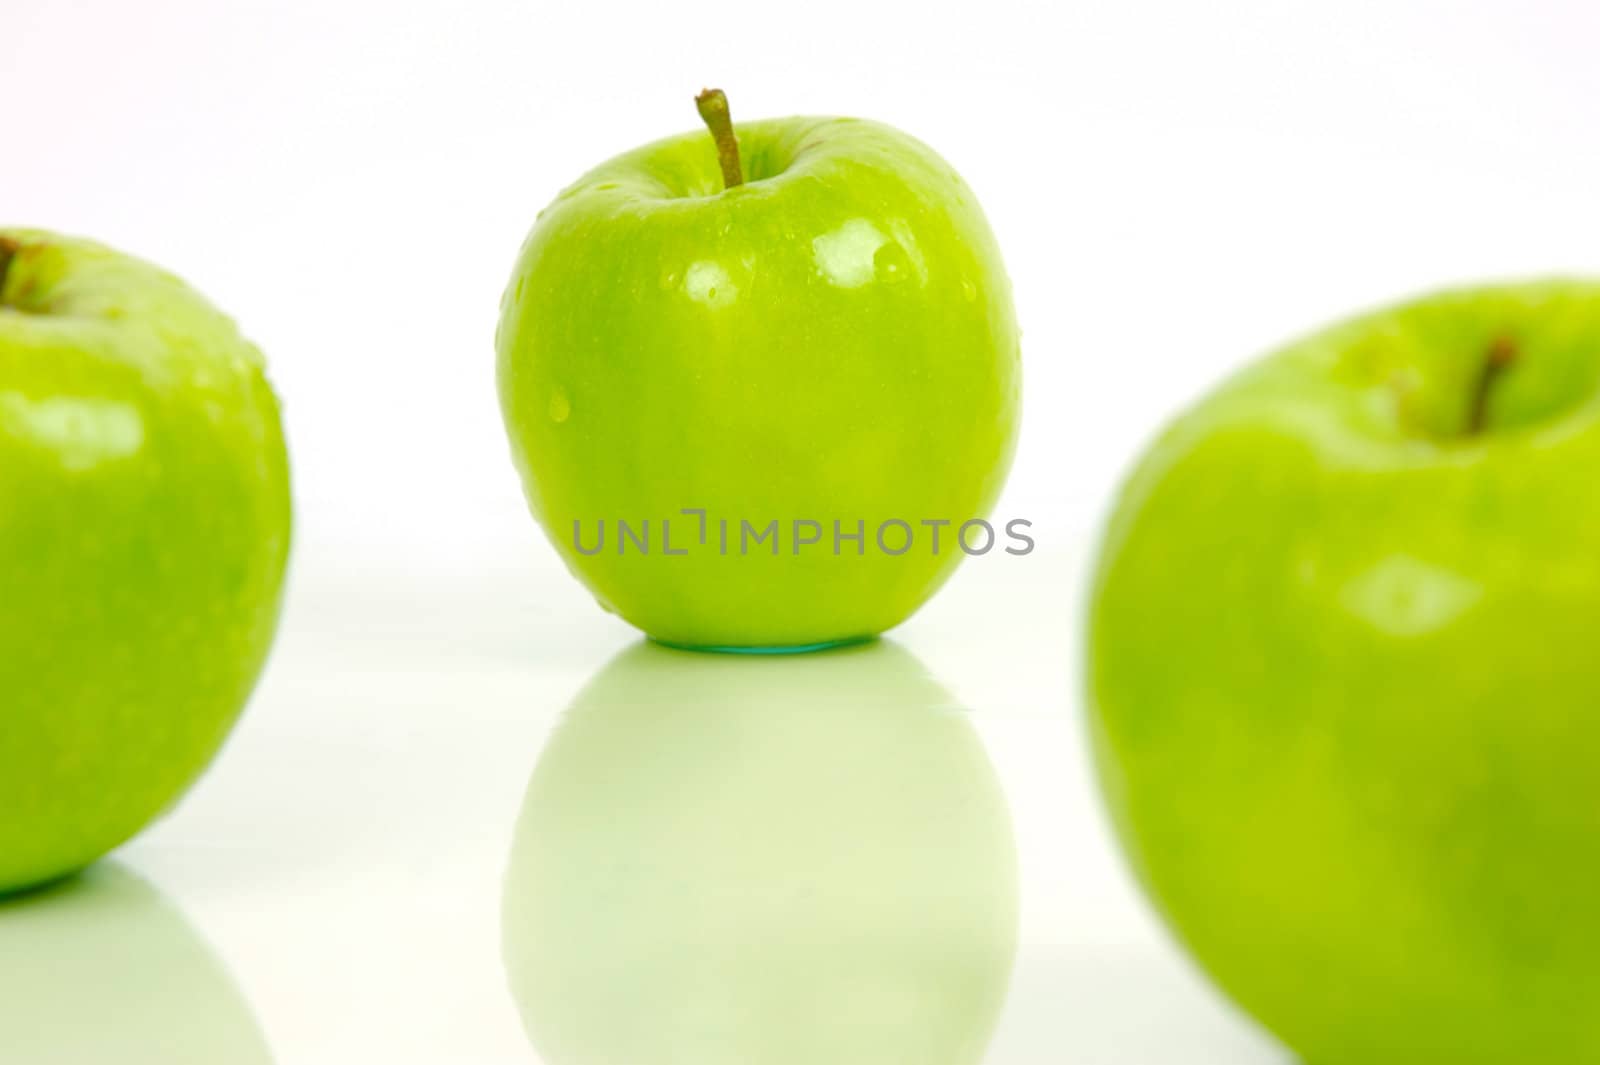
(1177, 187)
(894, 854)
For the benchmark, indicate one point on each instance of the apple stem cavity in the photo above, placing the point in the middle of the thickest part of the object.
(1501, 356)
(713, 107)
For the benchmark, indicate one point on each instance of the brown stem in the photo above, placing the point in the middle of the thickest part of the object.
(1501, 356)
(713, 107)
(8, 252)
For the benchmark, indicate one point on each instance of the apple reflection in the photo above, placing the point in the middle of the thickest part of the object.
(101, 969)
(762, 861)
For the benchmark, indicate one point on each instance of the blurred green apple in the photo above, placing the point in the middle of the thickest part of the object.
(144, 529)
(728, 861)
(822, 334)
(103, 970)
(1343, 684)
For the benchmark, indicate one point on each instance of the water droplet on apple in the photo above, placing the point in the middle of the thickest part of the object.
(669, 279)
(891, 263)
(560, 406)
(708, 283)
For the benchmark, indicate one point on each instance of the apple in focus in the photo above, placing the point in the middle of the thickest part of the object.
(821, 333)
(144, 531)
(1343, 686)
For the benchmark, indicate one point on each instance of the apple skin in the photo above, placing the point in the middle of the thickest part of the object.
(144, 531)
(832, 340)
(737, 859)
(1343, 685)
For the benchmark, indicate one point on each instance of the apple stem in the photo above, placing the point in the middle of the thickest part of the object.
(1501, 356)
(713, 107)
(8, 252)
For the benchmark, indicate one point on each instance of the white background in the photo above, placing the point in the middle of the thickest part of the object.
(1177, 187)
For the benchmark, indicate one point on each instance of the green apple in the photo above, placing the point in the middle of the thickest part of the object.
(820, 334)
(737, 860)
(102, 969)
(1343, 684)
(144, 528)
